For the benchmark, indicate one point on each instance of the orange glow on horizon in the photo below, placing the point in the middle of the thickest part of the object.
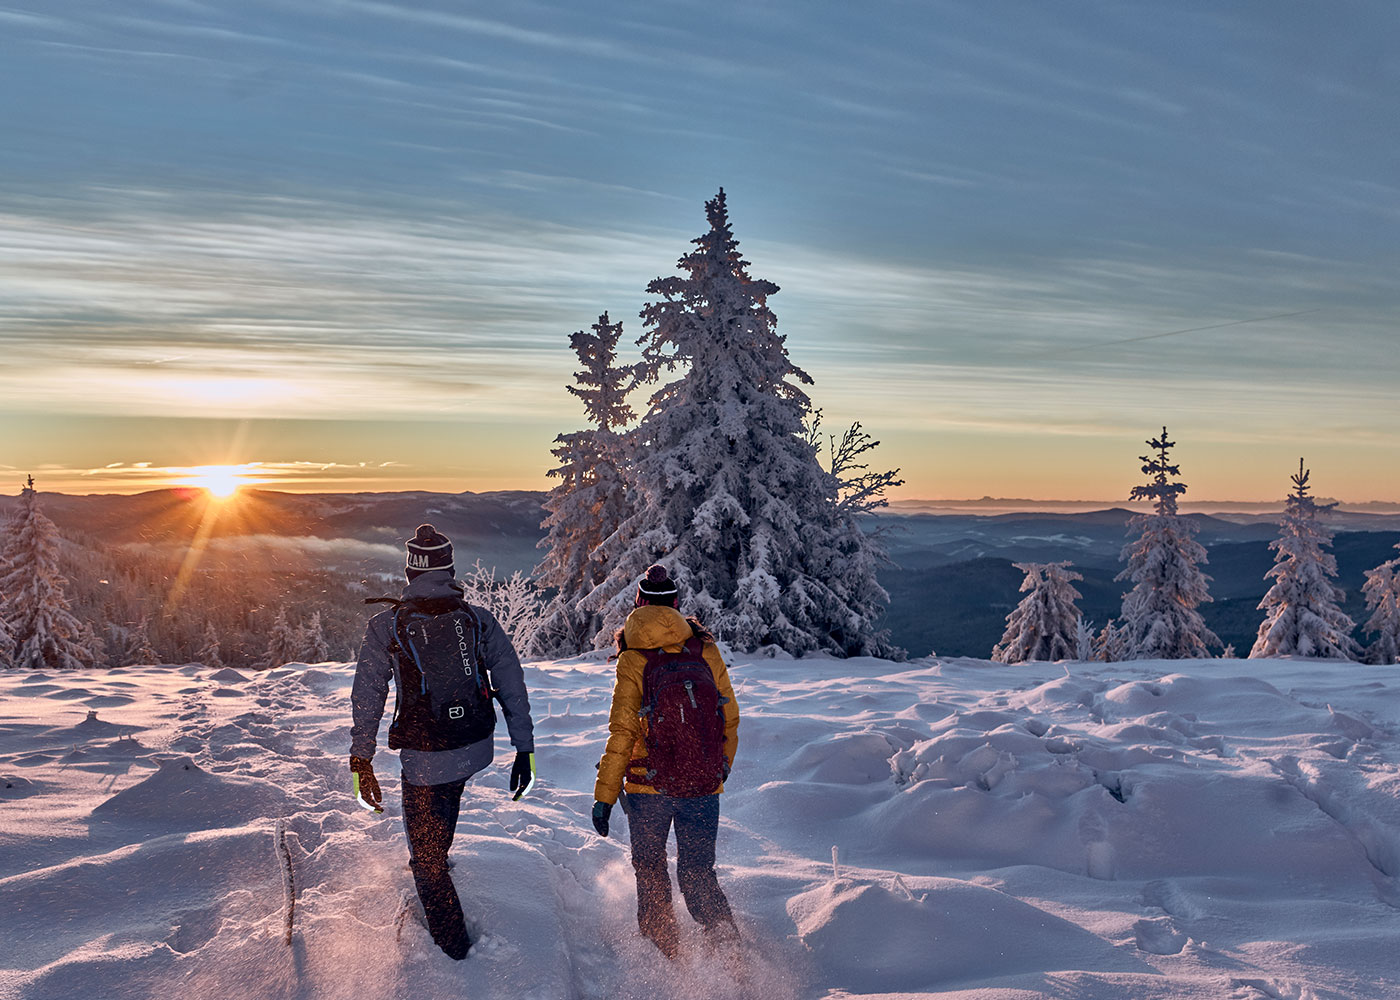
(220, 481)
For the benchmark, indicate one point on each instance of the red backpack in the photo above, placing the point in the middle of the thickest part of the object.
(685, 722)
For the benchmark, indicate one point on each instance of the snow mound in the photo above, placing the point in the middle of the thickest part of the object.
(1184, 830)
(322, 681)
(181, 795)
(228, 676)
(92, 728)
(867, 937)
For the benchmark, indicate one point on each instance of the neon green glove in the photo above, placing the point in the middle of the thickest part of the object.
(365, 785)
(522, 775)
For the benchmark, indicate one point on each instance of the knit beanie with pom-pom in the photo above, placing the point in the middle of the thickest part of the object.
(657, 587)
(428, 550)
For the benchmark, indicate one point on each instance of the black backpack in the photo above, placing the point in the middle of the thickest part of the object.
(442, 697)
(685, 722)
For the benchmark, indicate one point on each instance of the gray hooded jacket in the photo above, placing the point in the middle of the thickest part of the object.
(376, 667)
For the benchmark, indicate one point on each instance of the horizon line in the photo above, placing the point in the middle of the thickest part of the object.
(901, 501)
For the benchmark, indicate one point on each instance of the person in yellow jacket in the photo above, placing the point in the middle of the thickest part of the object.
(654, 625)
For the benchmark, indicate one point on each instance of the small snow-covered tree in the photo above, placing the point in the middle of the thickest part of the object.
(137, 647)
(314, 647)
(44, 633)
(1045, 625)
(209, 649)
(729, 493)
(591, 499)
(1302, 613)
(1382, 590)
(94, 645)
(1111, 644)
(1159, 617)
(283, 642)
(847, 556)
(514, 602)
(7, 640)
(1084, 643)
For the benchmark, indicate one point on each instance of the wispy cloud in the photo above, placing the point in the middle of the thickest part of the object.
(489, 28)
(295, 309)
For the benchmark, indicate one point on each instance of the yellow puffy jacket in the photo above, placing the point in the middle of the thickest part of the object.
(651, 627)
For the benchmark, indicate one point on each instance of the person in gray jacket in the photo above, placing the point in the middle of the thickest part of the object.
(449, 660)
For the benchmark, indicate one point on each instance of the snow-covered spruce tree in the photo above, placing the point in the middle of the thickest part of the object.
(209, 649)
(591, 499)
(1045, 625)
(1159, 615)
(7, 641)
(44, 633)
(314, 647)
(1382, 590)
(137, 647)
(729, 493)
(283, 643)
(1302, 617)
(1111, 644)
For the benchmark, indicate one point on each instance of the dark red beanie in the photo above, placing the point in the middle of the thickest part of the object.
(657, 587)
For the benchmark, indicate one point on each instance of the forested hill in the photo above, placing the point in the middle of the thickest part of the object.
(951, 587)
(954, 582)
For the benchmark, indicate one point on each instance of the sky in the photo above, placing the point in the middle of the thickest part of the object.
(343, 243)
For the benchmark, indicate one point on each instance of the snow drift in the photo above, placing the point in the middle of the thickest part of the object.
(953, 829)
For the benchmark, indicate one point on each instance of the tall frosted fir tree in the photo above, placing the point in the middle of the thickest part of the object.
(1159, 620)
(44, 633)
(1302, 617)
(729, 493)
(590, 501)
(1046, 624)
(1382, 590)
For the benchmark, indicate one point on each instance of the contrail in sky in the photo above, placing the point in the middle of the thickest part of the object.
(1171, 333)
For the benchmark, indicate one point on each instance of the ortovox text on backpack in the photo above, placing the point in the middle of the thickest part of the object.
(442, 694)
(684, 712)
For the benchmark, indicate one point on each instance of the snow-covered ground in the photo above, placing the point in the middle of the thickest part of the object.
(956, 829)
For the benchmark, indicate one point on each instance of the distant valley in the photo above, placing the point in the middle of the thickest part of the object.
(951, 587)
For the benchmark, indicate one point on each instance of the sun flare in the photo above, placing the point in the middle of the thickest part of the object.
(221, 481)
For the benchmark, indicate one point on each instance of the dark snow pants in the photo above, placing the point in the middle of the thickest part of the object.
(430, 819)
(649, 819)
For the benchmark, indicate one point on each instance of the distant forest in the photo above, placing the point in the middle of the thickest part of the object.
(951, 589)
(959, 608)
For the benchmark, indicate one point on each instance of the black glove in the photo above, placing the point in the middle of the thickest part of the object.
(366, 785)
(522, 775)
(724, 769)
(601, 812)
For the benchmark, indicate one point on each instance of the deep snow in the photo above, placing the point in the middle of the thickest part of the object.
(1182, 829)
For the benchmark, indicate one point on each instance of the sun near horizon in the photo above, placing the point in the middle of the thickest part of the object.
(220, 481)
